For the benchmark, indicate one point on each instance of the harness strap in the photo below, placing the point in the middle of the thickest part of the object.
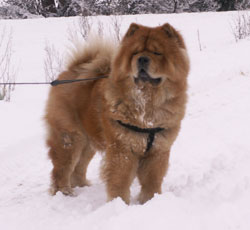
(151, 133)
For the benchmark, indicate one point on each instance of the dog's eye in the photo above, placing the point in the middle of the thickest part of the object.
(135, 53)
(157, 53)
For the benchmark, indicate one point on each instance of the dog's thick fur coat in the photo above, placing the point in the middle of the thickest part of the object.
(146, 88)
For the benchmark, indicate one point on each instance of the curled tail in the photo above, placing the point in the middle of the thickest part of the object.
(93, 59)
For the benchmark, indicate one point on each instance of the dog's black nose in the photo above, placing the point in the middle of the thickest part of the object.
(143, 62)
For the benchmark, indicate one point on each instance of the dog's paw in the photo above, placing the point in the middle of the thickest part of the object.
(67, 191)
(79, 183)
(144, 197)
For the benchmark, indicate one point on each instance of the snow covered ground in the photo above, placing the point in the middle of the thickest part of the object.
(208, 182)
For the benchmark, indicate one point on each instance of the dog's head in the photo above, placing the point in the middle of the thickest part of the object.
(151, 56)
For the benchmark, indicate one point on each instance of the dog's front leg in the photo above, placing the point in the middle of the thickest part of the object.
(119, 170)
(150, 173)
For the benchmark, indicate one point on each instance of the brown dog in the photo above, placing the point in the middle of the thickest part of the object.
(133, 116)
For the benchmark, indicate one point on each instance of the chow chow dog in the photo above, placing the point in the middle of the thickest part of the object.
(133, 115)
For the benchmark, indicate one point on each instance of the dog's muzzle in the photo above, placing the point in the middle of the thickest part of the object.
(143, 75)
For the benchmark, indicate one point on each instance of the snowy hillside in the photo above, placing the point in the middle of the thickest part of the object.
(208, 182)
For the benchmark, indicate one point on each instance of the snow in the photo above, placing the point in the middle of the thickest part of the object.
(208, 182)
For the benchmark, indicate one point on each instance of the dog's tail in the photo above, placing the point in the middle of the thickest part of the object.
(93, 59)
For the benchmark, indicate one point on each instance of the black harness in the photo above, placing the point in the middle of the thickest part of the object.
(151, 133)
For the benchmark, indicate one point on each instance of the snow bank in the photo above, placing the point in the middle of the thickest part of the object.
(208, 182)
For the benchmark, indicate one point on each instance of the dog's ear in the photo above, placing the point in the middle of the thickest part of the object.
(133, 27)
(169, 30)
(172, 33)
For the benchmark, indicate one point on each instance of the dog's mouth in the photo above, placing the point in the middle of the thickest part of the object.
(145, 77)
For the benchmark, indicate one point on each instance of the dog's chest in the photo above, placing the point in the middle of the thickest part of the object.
(143, 107)
(133, 141)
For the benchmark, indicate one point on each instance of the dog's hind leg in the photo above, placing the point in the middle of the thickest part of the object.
(65, 152)
(78, 177)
